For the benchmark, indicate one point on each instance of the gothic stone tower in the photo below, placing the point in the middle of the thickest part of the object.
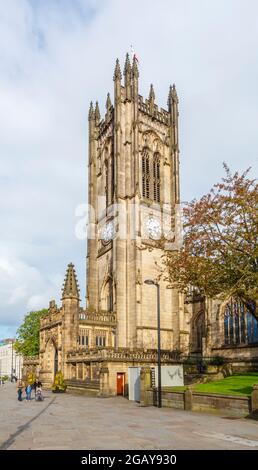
(133, 184)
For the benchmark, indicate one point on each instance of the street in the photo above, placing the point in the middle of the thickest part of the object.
(65, 421)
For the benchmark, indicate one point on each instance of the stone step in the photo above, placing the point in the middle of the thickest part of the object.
(82, 391)
(83, 383)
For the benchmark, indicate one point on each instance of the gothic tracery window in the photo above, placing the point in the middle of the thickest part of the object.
(108, 175)
(107, 183)
(145, 174)
(156, 177)
(151, 181)
(240, 326)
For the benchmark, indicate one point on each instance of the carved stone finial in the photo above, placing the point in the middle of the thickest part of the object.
(174, 94)
(127, 67)
(135, 71)
(108, 102)
(117, 73)
(151, 94)
(91, 111)
(172, 97)
(97, 113)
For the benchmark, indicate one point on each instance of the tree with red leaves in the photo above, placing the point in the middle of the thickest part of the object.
(219, 256)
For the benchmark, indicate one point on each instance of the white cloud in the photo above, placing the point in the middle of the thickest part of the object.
(22, 288)
(55, 56)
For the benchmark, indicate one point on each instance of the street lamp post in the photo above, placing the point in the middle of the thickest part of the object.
(153, 283)
(12, 363)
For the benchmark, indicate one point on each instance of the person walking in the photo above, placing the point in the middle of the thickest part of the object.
(28, 392)
(19, 390)
(34, 387)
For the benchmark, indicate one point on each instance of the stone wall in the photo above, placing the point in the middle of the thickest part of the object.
(190, 400)
(193, 401)
(30, 365)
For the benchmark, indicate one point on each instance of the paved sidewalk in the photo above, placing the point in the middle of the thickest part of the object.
(78, 422)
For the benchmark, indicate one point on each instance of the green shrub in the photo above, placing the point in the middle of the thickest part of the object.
(5, 378)
(217, 361)
(59, 383)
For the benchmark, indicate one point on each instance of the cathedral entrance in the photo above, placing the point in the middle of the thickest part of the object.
(120, 383)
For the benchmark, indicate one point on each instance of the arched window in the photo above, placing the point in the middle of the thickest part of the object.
(156, 177)
(145, 174)
(107, 183)
(240, 326)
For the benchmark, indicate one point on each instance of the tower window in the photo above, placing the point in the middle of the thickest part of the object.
(145, 174)
(156, 177)
(107, 183)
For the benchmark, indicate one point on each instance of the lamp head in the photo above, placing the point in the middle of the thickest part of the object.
(150, 282)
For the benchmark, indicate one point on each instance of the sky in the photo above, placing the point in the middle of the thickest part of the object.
(58, 55)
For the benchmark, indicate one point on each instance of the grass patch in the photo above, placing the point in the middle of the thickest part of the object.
(241, 384)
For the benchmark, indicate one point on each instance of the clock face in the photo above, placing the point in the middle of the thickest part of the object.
(153, 228)
(107, 232)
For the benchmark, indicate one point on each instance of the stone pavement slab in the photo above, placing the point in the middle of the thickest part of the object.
(68, 421)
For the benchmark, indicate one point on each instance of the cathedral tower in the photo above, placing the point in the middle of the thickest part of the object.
(133, 165)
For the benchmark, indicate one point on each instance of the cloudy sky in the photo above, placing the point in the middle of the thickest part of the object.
(57, 55)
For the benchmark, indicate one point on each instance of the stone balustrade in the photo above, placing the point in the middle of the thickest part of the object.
(122, 354)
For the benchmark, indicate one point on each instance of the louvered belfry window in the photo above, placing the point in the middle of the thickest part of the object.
(151, 181)
(156, 177)
(145, 174)
(107, 183)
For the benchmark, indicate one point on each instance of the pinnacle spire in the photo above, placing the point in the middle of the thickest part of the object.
(170, 99)
(97, 113)
(135, 70)
(70, 286)
(172, 96)
(91, 111)
(117, 73)
(151, 94)
(174, 93)
(127, 67)
(108, 102)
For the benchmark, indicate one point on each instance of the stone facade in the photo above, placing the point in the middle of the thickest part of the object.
(223, 328)
(133, 193)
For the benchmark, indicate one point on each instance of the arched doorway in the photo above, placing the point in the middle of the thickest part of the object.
(50, 360)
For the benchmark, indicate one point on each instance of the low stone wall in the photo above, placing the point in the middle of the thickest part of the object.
(232, 405)
(227, 404)
(169, 399)
(89, 388)
(195, 401)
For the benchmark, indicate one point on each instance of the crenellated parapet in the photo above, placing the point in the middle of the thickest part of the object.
(52, 318)
(31, 360)
(147, 107)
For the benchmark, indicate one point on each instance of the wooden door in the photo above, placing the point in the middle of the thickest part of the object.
(120, 380)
